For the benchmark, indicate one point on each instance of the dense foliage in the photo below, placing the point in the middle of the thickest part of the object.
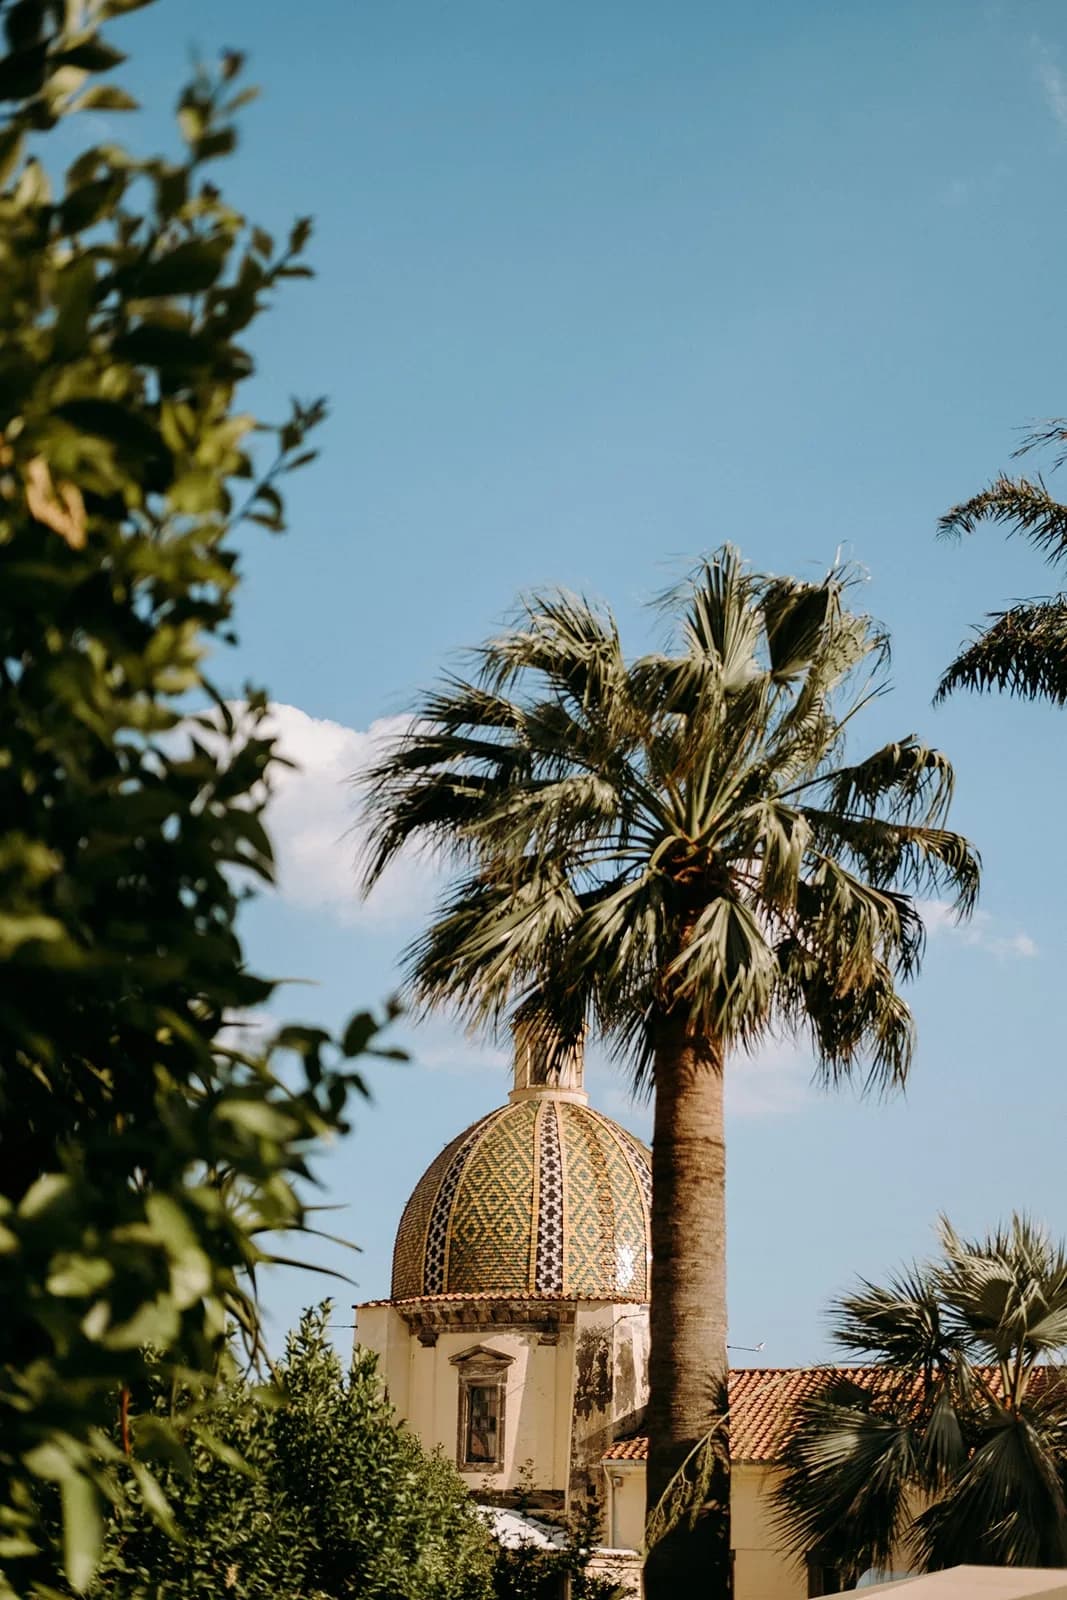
(142, 1153)
(952, 1447)
(676, 850)
(1023, 649)
(340, 1502)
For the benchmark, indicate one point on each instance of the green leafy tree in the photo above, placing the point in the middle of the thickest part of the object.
(1024, 649)
(674, 850)
(142, 1155)
(316, 1494)
(953, 1445)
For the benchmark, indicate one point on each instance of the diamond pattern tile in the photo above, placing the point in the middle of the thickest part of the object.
(545, 1197)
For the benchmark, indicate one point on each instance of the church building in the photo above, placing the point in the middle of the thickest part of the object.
(515, 1337)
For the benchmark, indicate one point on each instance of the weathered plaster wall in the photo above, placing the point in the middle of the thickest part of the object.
(610, 1387)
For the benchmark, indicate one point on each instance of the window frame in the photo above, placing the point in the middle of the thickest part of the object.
(481, 1368)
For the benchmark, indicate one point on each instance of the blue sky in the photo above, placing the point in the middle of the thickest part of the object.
(600, 287)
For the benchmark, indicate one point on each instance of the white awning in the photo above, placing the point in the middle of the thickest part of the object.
(515, 1528)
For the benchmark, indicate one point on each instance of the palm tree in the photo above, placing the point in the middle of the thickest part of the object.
(1024, 649)
(671, 850)
(953, 1445)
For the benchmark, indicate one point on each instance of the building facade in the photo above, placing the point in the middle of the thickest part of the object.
(515, 1336)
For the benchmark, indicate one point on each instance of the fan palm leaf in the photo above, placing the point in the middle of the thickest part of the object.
(970, 1415)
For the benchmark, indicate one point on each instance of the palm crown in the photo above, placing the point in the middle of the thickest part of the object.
(679, 833)
(953, 1446)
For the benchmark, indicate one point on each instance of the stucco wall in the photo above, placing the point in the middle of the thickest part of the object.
(762, 1571)
(423, 1384)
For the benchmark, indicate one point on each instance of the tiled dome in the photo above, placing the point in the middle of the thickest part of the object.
(544, 1197)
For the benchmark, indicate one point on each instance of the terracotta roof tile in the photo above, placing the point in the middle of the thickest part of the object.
(506, 1294)
(760, 1400)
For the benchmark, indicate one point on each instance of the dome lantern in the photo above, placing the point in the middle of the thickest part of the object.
(543, 1066)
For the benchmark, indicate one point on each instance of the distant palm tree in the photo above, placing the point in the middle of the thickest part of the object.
(1024, 650)
(670, 849)
(953, 1446)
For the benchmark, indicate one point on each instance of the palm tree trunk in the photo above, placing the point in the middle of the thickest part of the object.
(688, 1365)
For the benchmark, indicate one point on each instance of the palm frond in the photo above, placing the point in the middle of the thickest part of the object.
(868, 1027)
(725, 973)
(1006, 1506)
(906, 781)
(956, 1347)
(1023, 651)
(575, 647)
(795, 619)
(899, 1323)
(848, 1467)
(1008, 1293)
(1051, 432)
(924, 861)
(1028, 507)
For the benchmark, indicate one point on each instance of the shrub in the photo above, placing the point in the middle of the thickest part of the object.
(342, 1501)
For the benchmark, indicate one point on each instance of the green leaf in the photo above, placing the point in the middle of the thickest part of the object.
(157, 344)
(221, 143)
(23, 23)
(74, 294)
(358, 1034)
(84, 206)
(257, 1117)
(120, 424)
(155, 1500)
(224, 1452)
(11, 146)
(154, 1323)
(22, 73)
(49, 1190)
(83, 1529)
(105, 97)
(188, 269)
(93, 55)
(77, 1276)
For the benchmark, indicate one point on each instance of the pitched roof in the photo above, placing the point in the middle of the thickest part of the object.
(761, 1399)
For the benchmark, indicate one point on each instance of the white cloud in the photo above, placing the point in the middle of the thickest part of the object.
(313, 820)
(984, 186)
(440, 1045)
(775, 1078)
(1053, 81)
(980, 933)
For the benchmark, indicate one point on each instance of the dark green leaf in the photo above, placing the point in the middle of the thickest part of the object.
(105, 97)
(93, 55)
(83, 1529)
